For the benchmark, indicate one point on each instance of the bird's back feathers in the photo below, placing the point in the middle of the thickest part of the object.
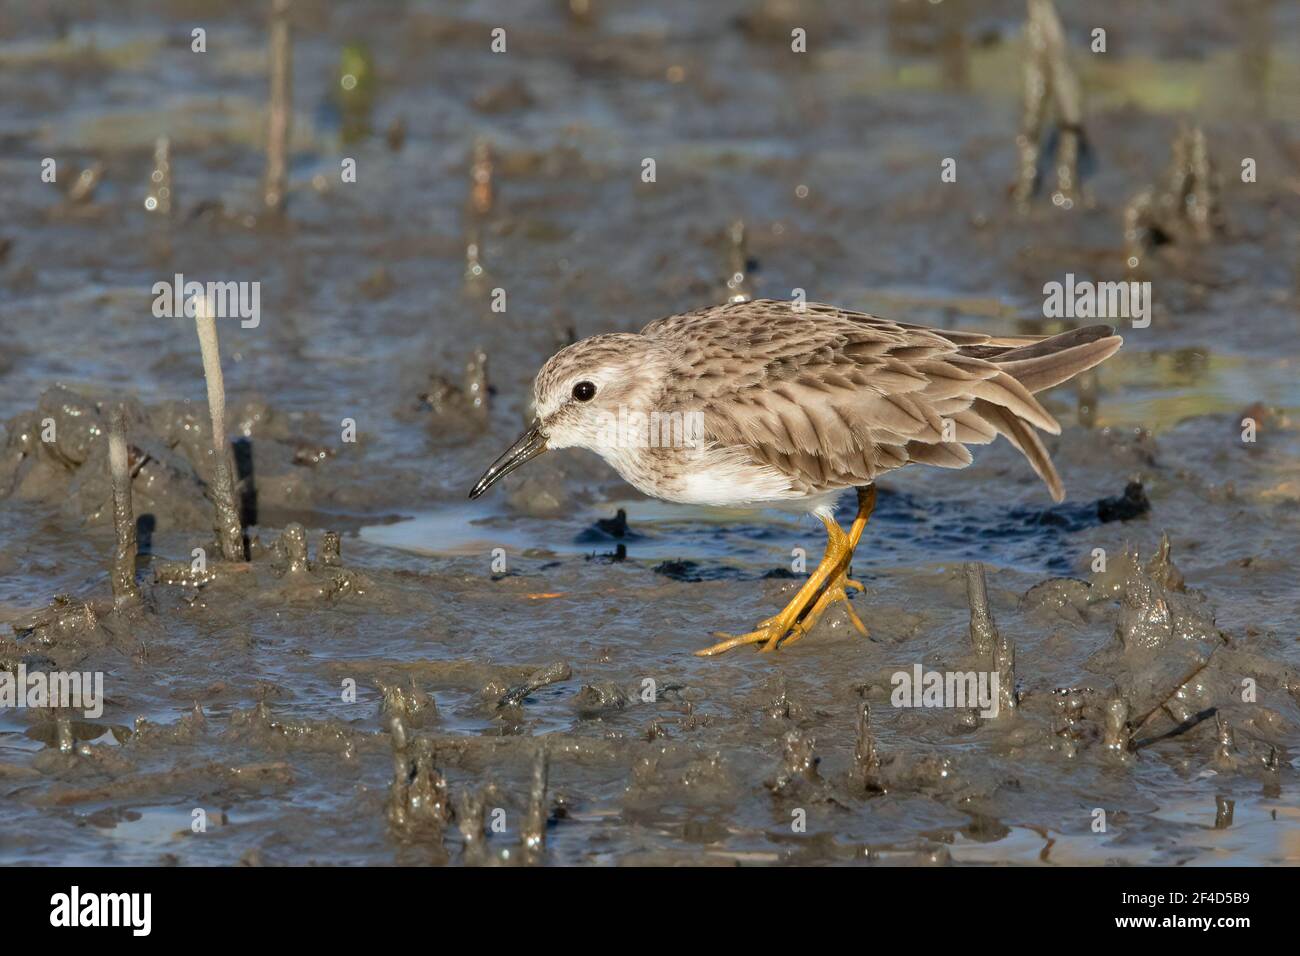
(832, 399)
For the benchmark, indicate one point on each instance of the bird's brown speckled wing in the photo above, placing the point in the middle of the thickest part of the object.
(834, 399)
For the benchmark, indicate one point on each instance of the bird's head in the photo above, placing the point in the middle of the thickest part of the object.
(581, 394)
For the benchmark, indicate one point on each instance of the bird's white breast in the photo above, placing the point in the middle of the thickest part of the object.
(717, 477)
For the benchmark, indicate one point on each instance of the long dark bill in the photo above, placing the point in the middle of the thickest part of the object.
(531, 444)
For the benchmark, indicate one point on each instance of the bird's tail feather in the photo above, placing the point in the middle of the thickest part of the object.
(1037, 366)
(1059, 358)
(1021, 434)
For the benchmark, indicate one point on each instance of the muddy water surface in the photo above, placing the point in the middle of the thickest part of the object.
(232, 695)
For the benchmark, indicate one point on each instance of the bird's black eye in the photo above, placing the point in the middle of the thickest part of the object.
(584, 391)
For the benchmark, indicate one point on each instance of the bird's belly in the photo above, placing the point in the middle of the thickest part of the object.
(708, 478)
(725, 486)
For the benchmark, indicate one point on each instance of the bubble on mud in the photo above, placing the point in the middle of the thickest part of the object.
(798, 770)
(65, 622)
(414, 707)
(418, 808)
(594, 701)
(1164, 640)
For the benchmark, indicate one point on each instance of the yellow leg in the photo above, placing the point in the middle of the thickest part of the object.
(830, 578)
(774, 628)
(866, 505)
(839, 580)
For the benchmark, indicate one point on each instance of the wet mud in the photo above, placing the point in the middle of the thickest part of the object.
(337, 659)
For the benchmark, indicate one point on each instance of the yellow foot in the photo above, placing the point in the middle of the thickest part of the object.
(792, 623)
(767, 633)
(834, 592)
(770, 632)
(824, 587)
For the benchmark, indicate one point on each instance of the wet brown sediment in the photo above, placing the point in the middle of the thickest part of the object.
(291, 548)
(595, 701)
(242, 777)
(418, 807)
(866, 758)
(1223, 811)
(1225, 753)
(1272, 788)
(329, 554)
(1152, 588)
(471, 821)
(410, 704)
(456, 406)
(1117, 736)
(799, 762)
(1166, 638)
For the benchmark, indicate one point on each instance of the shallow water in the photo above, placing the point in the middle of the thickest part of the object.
(364, 298)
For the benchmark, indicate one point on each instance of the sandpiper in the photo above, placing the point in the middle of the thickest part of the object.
(793, 404)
